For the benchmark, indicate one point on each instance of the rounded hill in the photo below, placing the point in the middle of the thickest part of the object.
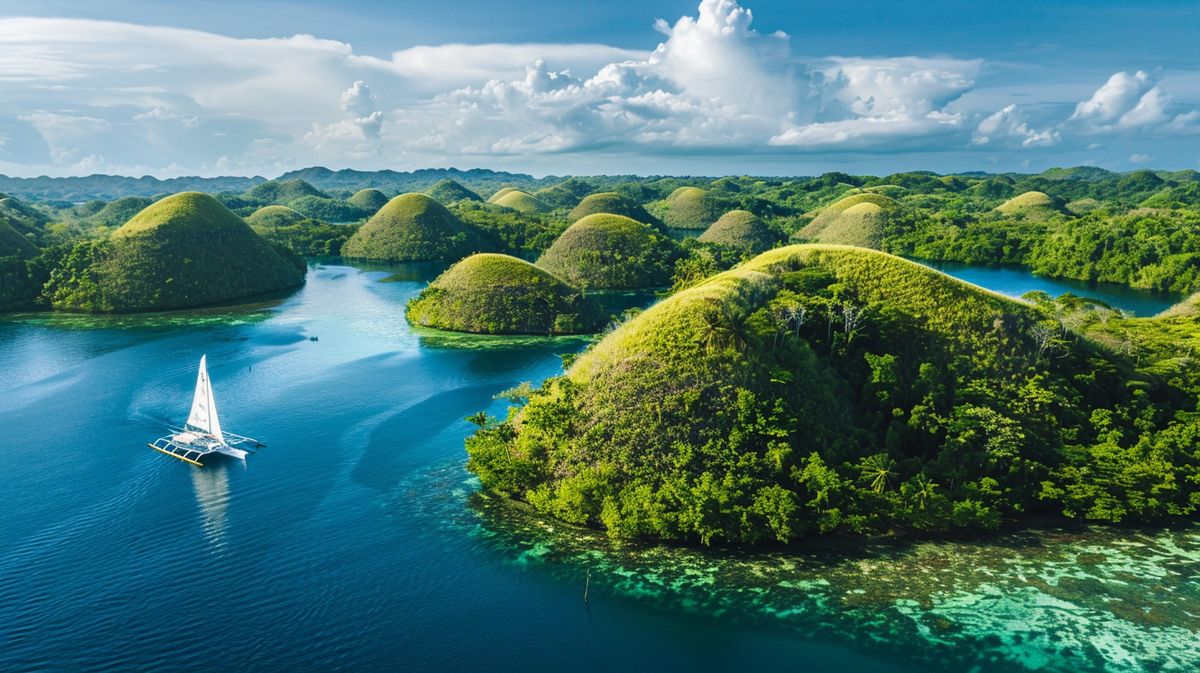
(611, 252)
(413, 227)
(271, 217)
(182, 251)
(690, 208)
(368, 200)
(12, 243)
(741, 229)
(834, 211)
(1031, 205)
(118, 212)
(522, 202)
(282, 191)
(497, 294)
(796, 394)
(448, 191)
(611, 203)
(499, 193)
(860, 225)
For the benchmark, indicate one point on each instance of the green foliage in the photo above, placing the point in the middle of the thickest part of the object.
(613, 204)
(183, 251)
(522, 202)
(835, 211)
(522, 234)
(610, 252)
(827, 388)
(449, 191)
(743, 231)
(301, 235)
(326, 209)
(498, 294)
(368, 200)
(414, 227)
(282, 192)
(691, 208)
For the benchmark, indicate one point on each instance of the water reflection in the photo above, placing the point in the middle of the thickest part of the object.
(211, 484)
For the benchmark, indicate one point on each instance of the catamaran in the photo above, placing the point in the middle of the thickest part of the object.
(201, 436)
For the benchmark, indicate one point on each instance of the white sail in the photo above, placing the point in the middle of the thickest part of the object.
(203, 416)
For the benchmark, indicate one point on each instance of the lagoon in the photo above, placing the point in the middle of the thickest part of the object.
(355, 540)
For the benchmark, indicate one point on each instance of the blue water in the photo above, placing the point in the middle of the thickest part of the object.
(352, 542)
(1015, 282)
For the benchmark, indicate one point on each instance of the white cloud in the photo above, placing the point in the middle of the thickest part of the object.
(79, 92)
(1008, 126)
(1130, 102)
(1140, 158)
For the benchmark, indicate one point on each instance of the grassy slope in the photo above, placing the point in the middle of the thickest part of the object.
(183, 251)
(282, 192)
(449, 191)
(270, 217)
(612, 203)
(369, 199)
(522, 202)
(741, 229)
(690, 208)
(12, 243)
(498, 294)
(413, 227)
(860, 225)
(831, 212)
(605, 251)
(692, 421)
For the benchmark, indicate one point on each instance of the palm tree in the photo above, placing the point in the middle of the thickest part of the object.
(723, 326)
(878, 470)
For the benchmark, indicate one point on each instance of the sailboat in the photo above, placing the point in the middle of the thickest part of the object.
(201, 436)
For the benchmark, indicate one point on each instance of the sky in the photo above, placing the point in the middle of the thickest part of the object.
(699, 87)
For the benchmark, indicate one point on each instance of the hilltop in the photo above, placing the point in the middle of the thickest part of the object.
(498, 294)
(520, 201)
(827, 388)
(741, 230)
(414, 227)
(282, 192)
(183, 251)
(832, 214)
(690, 208)
(369, 200)
(613, 204)
(449, 191)
(610, 252)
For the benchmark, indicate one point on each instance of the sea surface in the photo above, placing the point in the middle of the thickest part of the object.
(356, 540)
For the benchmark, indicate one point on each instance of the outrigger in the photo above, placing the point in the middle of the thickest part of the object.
(201, 436)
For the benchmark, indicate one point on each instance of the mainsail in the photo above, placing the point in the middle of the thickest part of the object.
(203, 416)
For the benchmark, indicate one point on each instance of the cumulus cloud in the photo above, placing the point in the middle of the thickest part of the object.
(83, 92)
(1008, 126)
(1129, 101)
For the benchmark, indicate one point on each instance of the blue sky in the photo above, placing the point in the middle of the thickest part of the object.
(711, 87)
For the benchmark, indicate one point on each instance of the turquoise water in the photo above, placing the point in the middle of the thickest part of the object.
(356, 540)
(1015, 282)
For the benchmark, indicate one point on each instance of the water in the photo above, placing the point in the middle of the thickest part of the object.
(355, 540)
(1014, 282)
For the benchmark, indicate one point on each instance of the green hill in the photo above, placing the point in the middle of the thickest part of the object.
(183, 251)
(498, 294)
(368, 200)
(566, 194)
(282, 191)
(25, 219)
(861, 225)
(272, 217)
(499, 193)
(1030, 205)
(742, 230)
(690, 208)
(412, 228)
(832, 212)
(118, 212)
(826, 388)
(12, 243)
(448, 191)
(611, 252)
(522, 202)
(612, 203)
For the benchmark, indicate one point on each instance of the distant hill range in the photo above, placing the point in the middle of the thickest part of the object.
(108, 187)
(480, 180)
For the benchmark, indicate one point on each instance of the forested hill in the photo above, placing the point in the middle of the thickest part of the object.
(109, 187)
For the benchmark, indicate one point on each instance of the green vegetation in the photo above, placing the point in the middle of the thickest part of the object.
(499, 194)
(611, 252)
(368, 200)
(828, 388)
(523, 234)
(119, 211)
(326, 209)
(302, 235)
(860, 225)
(449, 191)
(184, 251)
(834, 212)
(282, 192)
(611, 203)
(414, 228)
(522, 202)
(497, 294)
(13, 244)
(690, 208)
(566, 194)
(1030, 205)
(741, 230)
